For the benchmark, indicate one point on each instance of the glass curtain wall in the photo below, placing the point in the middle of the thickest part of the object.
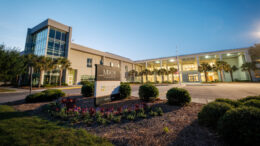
(39, 42)
(211, 60)
(56, 43)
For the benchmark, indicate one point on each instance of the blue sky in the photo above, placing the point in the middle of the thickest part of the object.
(140, 29)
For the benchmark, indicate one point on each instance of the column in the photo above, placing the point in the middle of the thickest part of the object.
(145, 64)
(198, 64)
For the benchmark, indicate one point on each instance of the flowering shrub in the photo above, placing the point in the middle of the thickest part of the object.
(69, 111)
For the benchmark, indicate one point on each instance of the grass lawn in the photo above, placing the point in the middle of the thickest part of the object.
(19, 128)
(6, 90)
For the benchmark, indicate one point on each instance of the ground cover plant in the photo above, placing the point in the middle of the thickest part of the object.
(237, 121)
(20, 128)
(46, 95)
(67, 110)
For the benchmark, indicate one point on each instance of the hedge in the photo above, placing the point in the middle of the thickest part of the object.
(46, 95)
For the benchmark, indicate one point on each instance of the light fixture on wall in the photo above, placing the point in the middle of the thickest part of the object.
(207, 56)
(171, 60)
(157, 61)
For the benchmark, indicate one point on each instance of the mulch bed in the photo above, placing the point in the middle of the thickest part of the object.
(181, 122)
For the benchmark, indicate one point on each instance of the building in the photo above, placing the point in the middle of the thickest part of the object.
(53, 39)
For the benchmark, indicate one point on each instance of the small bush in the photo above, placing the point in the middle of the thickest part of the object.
(153, 113)
(253, 103)
(148, 92)
(241, 126)
(87, 90)
(47, 95)
(165, 129)
(124, 90)
(178, 96)
(211, 113)
(233, 103)
(86, 82)
(249, 98)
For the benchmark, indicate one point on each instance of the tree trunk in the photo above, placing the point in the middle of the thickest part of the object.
(142, 79)
(231, 75)
(172, 78)
(206, 76)
(221, 75)
(250, 75)
(40, 80)
(155, 79)
(162, 78)
(146, 78)
(60, 76)
(50, 78)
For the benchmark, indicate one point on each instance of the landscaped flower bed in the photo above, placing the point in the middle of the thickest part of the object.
(67, 110)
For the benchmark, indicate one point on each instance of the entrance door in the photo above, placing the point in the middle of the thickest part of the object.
(71, 77)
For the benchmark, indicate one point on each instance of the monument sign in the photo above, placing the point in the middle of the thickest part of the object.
(107, 82)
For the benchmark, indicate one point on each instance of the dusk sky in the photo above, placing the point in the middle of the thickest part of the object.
(139, 29)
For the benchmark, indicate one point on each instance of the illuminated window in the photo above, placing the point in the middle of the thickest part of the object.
(89, 62)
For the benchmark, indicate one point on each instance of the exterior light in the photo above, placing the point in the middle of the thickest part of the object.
(206, 56)
(228, 54)
(171, 60)
(157, 61)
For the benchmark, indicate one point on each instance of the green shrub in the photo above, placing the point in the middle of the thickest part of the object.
(130, 117)
(87, 90)
(234, 103)
(148, 92)
(124, 90)
(47, 95)
(159, 111)
(253, 103)
(178, 96)
(249, 98)
(211, 113)
(153, 113)
(86, 82)
(241, 126)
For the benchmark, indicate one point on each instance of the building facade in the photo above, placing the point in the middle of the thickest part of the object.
(53, 39)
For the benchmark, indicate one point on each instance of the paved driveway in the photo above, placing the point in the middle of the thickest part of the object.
(200, 93)
(204, 93)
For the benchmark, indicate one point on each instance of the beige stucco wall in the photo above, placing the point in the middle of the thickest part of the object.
(78, 61)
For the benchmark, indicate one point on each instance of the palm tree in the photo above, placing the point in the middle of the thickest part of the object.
(62, 63)
(41, 65)
(248, 66)
(141, 74)
(230, 69)
(205, 67)
(172, 71)
(132, 74)
(220, 65)
(155, 72)
(51, 64)
(146, 72)
(162, 72)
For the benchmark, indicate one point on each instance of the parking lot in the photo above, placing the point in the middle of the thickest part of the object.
(204, 93)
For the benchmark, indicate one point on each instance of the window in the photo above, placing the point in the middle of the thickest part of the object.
(52, 33)
(111, 64)
(58, 34)
(89, 62)
(63, 37)
(126, 68)
(101, 62)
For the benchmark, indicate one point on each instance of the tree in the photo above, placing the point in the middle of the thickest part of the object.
(172, 71)
(155, 72)
(162, 72)
(41, 65)
(11, 64)
(63, 63)
(146, 72)
(205, 68)
(50, 65)
(248, 66)
(220, 65)
(132, 74)
(230, 69)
